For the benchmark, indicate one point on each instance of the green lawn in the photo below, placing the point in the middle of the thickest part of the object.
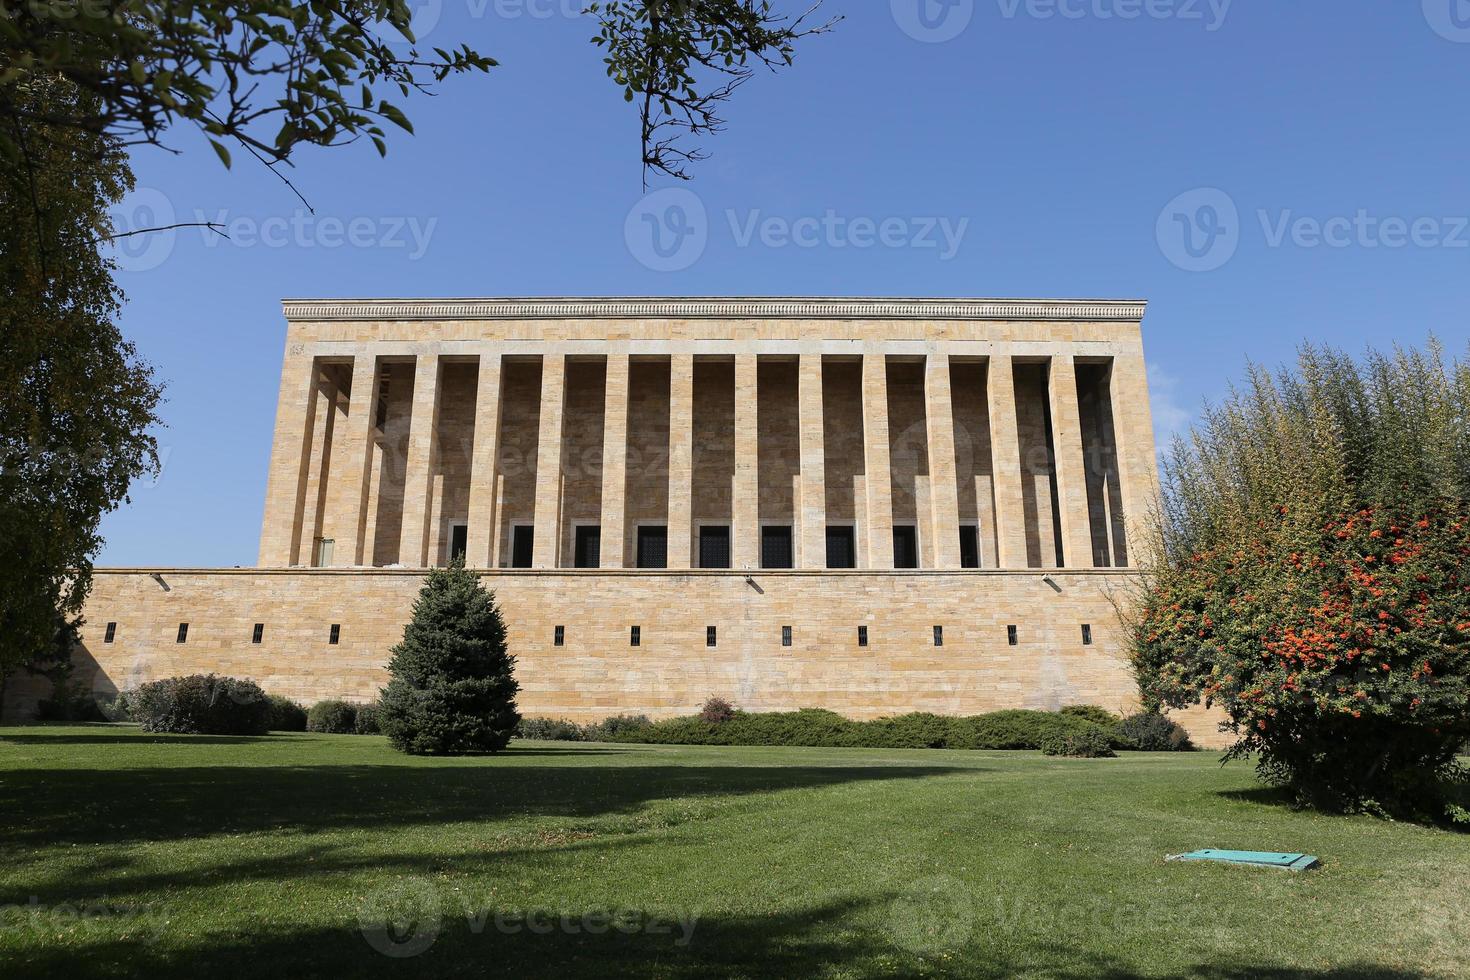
(216, 857)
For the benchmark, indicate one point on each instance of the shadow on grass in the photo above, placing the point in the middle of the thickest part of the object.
(136, 737)
(69, 806)
(854, 938)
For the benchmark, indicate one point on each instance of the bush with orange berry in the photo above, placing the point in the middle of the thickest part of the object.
(1312, 578)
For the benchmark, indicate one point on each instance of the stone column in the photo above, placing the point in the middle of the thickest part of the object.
(549, 451)
(319, 475)
(877, 472)
(1005, 463)
(418, 473)
(745, 515)
(485, 457)
(1138, 465)
(349, 501)
(285, 495)
(812, 501)
(1071, 472)
(944, 494)
(681, 459)
(615, 461)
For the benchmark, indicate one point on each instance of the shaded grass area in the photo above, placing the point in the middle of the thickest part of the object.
(306, 855)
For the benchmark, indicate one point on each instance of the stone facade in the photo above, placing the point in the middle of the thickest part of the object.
(578, 451)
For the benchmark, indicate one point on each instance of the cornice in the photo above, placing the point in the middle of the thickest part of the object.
(720, 308)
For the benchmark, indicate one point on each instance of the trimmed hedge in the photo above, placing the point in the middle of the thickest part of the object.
(1069, 728)
(286, 715)
(201, 704)
(1090, 743)
(368, 719)
(332, 718)
(1149, 731)
(549, 730)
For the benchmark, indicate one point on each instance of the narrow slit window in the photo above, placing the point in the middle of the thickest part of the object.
(183, 633)
(257, 634)
(786, 636)
(335, 635)
(862, 636)
(110, 634)
(1011, 635)
(1087, 634)
(559, 636)
(709, 636)
(635, 638)
(939, 636)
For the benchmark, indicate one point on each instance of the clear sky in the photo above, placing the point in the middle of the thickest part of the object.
(1263, 172)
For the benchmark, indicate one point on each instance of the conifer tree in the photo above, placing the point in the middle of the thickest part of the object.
(453, 688)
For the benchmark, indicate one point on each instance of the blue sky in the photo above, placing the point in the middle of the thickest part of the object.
(1263, 172)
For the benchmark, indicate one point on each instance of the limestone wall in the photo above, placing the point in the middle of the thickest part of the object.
(597, 672)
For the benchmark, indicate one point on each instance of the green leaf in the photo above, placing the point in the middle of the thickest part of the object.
(221, 152)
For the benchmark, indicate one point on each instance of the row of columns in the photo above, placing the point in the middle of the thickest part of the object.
(349, 488)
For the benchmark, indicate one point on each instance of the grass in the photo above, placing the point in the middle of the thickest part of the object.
(136, 855)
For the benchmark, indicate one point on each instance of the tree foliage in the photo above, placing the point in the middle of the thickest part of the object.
(680, 60)
(453, 684)
(76, 403)
(274, 75)
(1315, 578)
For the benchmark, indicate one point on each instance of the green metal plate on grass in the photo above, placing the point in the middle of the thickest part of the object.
(1259, 859)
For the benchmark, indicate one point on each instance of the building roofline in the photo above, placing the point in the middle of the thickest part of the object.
(713, 307)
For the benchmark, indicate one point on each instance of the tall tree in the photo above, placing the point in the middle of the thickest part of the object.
(76, 403)
(453, 688)
(1315, 579)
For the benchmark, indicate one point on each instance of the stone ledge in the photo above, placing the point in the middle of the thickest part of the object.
(754, 308)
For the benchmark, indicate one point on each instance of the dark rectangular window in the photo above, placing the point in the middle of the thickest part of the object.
(588, 550)
(459, 542)
(714, 547)
(522, 542)
(1011, 635)
(258, 633)
(653, 546)
(183, 633)
(1087, 634)
(841, 548)
(862, 636)
(905, 546)
(559, 636)
(335, 635)
(635, 638)
(111, 632)
(786, 636)
(776, 546)
(969, 546)
(709, 636)
(939, 636)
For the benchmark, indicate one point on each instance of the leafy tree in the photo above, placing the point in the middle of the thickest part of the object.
(76, 403)
(1315, 579)
(453, 688)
